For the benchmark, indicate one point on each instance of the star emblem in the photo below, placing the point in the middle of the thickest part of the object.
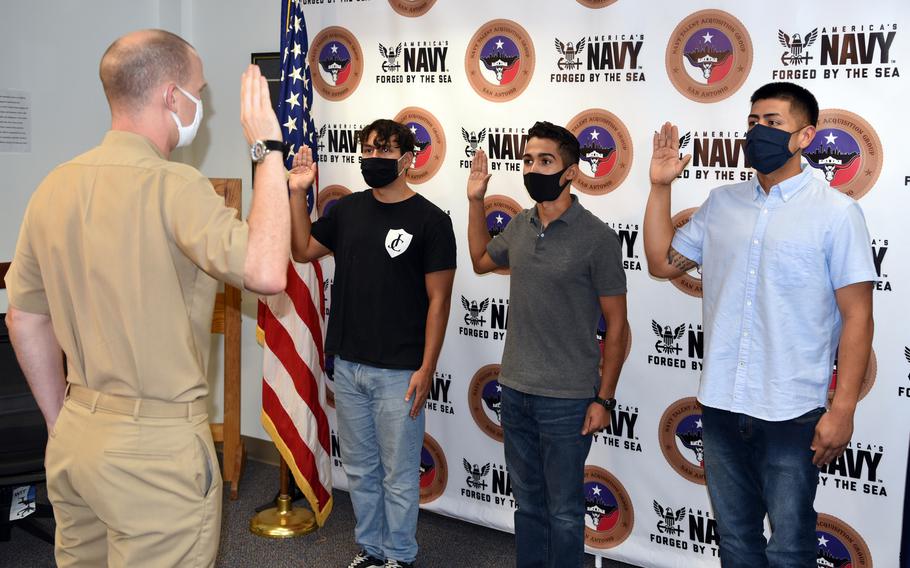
(498, 388)
(296, 50)
(293, 100)
(596, 490)
(290, 125)
(595, 135)
(295, 75)
(707, 37)
(413, 129)
(499, 219)
(334, 48)
(499, 44)
(296, 23)
(698, 423)
(822, 541)
(830, 138)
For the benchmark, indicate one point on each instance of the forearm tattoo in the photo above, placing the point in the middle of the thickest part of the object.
(679, 261)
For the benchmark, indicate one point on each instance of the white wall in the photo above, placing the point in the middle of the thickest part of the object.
(52, 50)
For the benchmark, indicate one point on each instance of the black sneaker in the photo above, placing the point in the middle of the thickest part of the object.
(399, 564)
(364, 560)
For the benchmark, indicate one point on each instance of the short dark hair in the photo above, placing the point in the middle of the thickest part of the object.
(135, 63)
(569, 149)
(801, 100)
(388, 131)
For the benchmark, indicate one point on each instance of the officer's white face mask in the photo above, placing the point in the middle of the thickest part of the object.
(187, 133)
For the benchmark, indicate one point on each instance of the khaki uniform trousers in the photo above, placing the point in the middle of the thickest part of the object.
(132, 490)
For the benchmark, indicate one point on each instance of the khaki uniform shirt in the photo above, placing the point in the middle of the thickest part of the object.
(122, 248)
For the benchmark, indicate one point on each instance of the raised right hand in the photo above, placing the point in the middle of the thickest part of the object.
(478, 178)
(666, 164)
(303, 171)
(256, 113)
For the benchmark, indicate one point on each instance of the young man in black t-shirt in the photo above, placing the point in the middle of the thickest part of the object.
(394, 266)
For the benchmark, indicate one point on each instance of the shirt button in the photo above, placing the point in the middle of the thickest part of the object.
(748, 302)
(745, 334)
(741, 364)
(754, 241)
(752, 271)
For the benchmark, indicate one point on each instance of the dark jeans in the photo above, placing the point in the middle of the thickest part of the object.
(754, 467)
(545, 454)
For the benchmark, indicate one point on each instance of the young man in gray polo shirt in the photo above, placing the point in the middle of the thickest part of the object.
(566, 271)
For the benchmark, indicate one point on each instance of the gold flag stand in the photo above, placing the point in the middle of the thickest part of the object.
(283, 520)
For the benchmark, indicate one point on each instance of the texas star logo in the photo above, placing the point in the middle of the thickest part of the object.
(847, 150)
(606, 151)
(795, 54)
(690, 282)
(433, 470)
(709, 56)
(485, 401)
(430, 148)
(412, 8)
(680, 435)
(596, 3)
(499, 61)
(499, 211)
(839, 545)
(329, 196)
(609, 515)
(336, 53)
(397, 241)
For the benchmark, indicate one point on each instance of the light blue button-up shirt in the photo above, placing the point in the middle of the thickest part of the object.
(770, 266)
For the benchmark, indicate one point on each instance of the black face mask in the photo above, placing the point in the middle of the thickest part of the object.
(768, 149)
(379, 172)
(545, 187)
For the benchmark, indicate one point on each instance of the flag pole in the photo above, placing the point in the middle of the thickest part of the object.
(283, 520)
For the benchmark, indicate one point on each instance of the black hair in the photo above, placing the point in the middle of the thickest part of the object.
(569, 149)
(801, 100)
(387, 132)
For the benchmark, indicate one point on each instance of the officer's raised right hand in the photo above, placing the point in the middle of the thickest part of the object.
(478, 178)
(666, 164)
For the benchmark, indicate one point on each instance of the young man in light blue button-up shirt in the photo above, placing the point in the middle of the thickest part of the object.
(787, 287)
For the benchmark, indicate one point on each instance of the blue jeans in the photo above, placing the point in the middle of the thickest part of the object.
(380, 449)
(754, 467)
(545, 454)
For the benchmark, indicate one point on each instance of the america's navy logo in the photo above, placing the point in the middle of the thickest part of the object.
(903, 391)
(709, 56)
(320, 139)
(609, 515)
(796, 46)
(434, 471)
(718, 155)
(390, 56)
(879, 250)
(474, 140)
(857, 469)
(570, 54)
(680, 434)
(477, 474)
(668, 519)
(499, 61)
(667, 337)
(411, 8)
(329, 196)
(397, 241)
(430, 149)
(336, 449)
(485, 401)
(847, 150)
(839, 545)
(475, 311)
(690, 282)
(868, 378)
(336, 53)
(606, 151)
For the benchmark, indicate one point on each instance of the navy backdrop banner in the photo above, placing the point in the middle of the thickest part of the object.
(476, 74)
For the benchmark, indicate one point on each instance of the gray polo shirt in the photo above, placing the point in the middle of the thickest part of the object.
(558, 275)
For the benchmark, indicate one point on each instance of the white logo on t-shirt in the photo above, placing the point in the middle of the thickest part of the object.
(397, 241)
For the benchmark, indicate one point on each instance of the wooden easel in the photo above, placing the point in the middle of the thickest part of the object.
(226, 321)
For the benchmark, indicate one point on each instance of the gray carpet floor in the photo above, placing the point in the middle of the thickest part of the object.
(444, 542)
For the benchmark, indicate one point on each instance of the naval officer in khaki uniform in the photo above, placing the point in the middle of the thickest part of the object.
(116, 264)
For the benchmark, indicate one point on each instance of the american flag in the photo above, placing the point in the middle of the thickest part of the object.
(292, 323)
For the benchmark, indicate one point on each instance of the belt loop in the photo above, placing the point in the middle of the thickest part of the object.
(66, 391)
(95, 401)
(136, 409)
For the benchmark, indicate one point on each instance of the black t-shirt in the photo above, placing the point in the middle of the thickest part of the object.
(379, 298)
